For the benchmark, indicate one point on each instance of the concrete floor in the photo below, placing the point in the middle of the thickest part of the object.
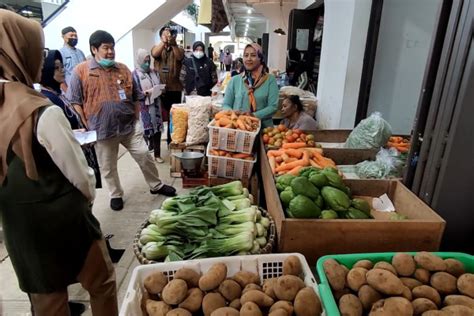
(124, 224)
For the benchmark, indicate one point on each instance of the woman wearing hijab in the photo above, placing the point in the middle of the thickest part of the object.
(145, 79)
(255, 90)
(51, 235)
(198, 74)
(52, 78)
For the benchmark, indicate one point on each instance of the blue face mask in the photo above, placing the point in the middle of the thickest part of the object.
(106, 63)
(145, 66)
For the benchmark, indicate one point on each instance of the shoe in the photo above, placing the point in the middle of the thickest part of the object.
(165, 190)
(159, 160)
(76, 308)
(116, 204)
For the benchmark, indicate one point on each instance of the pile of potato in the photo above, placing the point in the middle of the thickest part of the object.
(213, 294)
(423, 284)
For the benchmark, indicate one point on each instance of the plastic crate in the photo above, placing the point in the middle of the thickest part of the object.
(231, 168)
(230, 139)
(267, 266)
(328, 301)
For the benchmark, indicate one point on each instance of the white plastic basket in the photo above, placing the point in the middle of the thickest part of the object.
(267, 266)
(230, 139)
(230, 168)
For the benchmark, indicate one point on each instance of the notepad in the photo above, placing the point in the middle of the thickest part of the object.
(86, 137)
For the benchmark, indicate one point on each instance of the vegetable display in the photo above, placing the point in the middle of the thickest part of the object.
(208, 222)
(319, 193)
(276, 137)
(228, 154)
(215, 294)
(236, 120)
(399, 143)
(293, 157)
(396, 289)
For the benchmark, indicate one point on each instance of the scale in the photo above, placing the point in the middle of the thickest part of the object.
(191, 166)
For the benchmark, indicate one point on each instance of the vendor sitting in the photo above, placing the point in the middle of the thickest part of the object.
(294, 116)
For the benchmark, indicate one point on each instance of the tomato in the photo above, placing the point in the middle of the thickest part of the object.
(297, 131)
(266, 138)
(281, 128)
(303, 136)
(299, 140)
(290, 138)
(289, 132)
(295, 136)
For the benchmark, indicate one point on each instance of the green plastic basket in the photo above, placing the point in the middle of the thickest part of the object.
(349, 260)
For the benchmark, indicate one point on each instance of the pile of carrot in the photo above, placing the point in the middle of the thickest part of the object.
(236, 120)
(292, 157)
(228, 154)
(399, 143)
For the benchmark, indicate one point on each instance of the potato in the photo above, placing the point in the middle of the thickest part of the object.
(175, 292)
(250, 309)
(230, 290)
(422, 275)
(179, 312)
(385, 282)
(434, 313)
(368, 296)
(430, 261)
(410, 282)
(346, 269)
(421, 305)
(211, 302)
(366, 264)
(385, 266)
(251, 286)
(454, 267)
(404, 264)
(350, 305)
(356, 278)
(335, 273)
(292, 266)
(155, 308)
(259, 298)
(245, 277)
(213, 277)
(459, 300)
(235, 304)
(427, 292)
(466, 284)
(189, 275)
(268, 287)
(392, 306)
(279, 312)
(155, 283)
(288, 306)
(338, 294)
(307, 303)
(444, 283)
(458, 310)
(193, 300)
(287, 286)
(407, 293)
(225, 311)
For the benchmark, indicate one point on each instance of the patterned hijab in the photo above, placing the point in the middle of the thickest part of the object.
(21, 58)
(251, 83)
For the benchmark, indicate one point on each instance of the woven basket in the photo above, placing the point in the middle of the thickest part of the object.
(271, 238)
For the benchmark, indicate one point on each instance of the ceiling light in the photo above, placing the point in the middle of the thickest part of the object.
(279, 31)
(27, 12)
(248, 20)
(249, 11)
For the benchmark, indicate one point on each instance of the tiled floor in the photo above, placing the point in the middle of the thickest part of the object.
(124, 224)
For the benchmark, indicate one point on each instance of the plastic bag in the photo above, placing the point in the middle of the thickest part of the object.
(179, 117)
(388, 163)
(372, 132)
(199, 109)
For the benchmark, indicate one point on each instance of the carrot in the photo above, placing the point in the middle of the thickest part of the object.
(240, 156)
(294, 153)
(396, 139)
(233, 116)
(221, 114)
(291, 160)
(225, 121)
(403, 149)
(293, 145)
(295, 171)
(275, 153)
(241, 125)
(285, 157)
(313, 149)
(252, 118)
(303, 162)
(272, 163)
(314, 164)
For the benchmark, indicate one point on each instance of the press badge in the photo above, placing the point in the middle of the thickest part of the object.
(122, 94)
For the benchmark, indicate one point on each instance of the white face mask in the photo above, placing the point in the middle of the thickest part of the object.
(198, 54)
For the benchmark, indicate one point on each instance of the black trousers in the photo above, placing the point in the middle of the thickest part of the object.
(227, 67)
(167, 100)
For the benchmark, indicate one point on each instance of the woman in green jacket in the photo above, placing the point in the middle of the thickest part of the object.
(255, 90)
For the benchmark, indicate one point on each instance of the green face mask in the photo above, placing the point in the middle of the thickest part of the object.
(106, 63)
(145, 66)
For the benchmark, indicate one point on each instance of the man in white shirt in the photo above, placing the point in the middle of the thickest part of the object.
(72, 56)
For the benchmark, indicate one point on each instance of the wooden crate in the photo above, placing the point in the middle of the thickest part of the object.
(315, 237)
(175, 164)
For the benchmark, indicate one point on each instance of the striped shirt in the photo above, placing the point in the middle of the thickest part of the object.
(71, 58)
(107, 97)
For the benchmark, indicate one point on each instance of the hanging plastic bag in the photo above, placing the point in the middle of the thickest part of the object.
(179, 116)
(199, 109)
(372, 132)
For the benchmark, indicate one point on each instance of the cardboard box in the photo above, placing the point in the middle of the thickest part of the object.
(315, 237)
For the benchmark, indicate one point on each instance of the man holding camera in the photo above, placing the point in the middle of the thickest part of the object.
(168, 61)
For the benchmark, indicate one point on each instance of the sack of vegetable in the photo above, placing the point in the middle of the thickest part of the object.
(372, 132)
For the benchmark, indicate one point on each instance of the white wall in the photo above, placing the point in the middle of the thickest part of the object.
(124, 51)
(402, 51)
(343, 47)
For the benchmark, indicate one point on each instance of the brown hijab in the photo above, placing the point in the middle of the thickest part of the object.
(21, 59)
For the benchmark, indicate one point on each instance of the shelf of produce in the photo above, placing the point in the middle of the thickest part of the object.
(317, 237)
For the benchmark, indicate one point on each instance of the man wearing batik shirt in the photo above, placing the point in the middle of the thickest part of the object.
(72, 56)
(103, 94)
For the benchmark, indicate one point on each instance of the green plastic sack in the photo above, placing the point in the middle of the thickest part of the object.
(372, 132)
